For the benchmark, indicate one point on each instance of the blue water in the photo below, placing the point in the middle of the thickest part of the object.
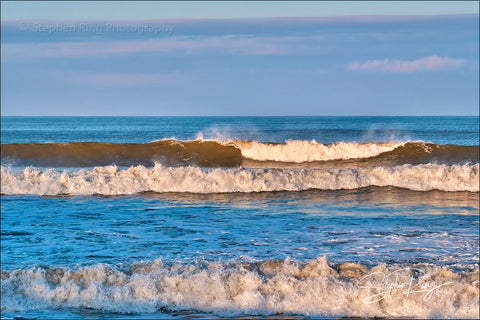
(113, 230)
(369, 226)
(439, 130)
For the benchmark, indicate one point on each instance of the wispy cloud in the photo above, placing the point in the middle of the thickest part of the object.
(124, 79)
(432, 63)
(234, 44)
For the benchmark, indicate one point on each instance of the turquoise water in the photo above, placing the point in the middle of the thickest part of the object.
(260, 239)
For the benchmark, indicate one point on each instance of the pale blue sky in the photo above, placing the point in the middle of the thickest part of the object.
(112, 10)
(423, 64)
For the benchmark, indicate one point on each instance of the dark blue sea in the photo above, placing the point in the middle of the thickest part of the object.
(239, 217)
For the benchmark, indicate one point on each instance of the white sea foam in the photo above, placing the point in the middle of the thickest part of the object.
(304, 151)
(111, 180)
(271, 287)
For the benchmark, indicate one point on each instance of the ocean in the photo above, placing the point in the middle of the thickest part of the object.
(239, 217)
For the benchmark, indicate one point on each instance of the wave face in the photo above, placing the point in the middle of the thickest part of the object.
(421, 152)
(110, 180)
(209, 153)
(89, 154)
(273, 287)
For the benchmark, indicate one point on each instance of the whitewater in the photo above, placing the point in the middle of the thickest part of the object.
(111, 180)
(305, 151)
(315, 288)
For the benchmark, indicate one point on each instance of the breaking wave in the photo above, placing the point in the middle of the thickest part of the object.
(110, 180)
(273, 287)
(211, 153)
(308, 151)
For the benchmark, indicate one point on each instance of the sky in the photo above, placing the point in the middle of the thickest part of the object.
(240, 58)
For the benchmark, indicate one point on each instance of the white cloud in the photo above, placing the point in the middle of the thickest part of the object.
(432, 63)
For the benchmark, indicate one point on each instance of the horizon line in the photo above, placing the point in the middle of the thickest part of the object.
(245, 116)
